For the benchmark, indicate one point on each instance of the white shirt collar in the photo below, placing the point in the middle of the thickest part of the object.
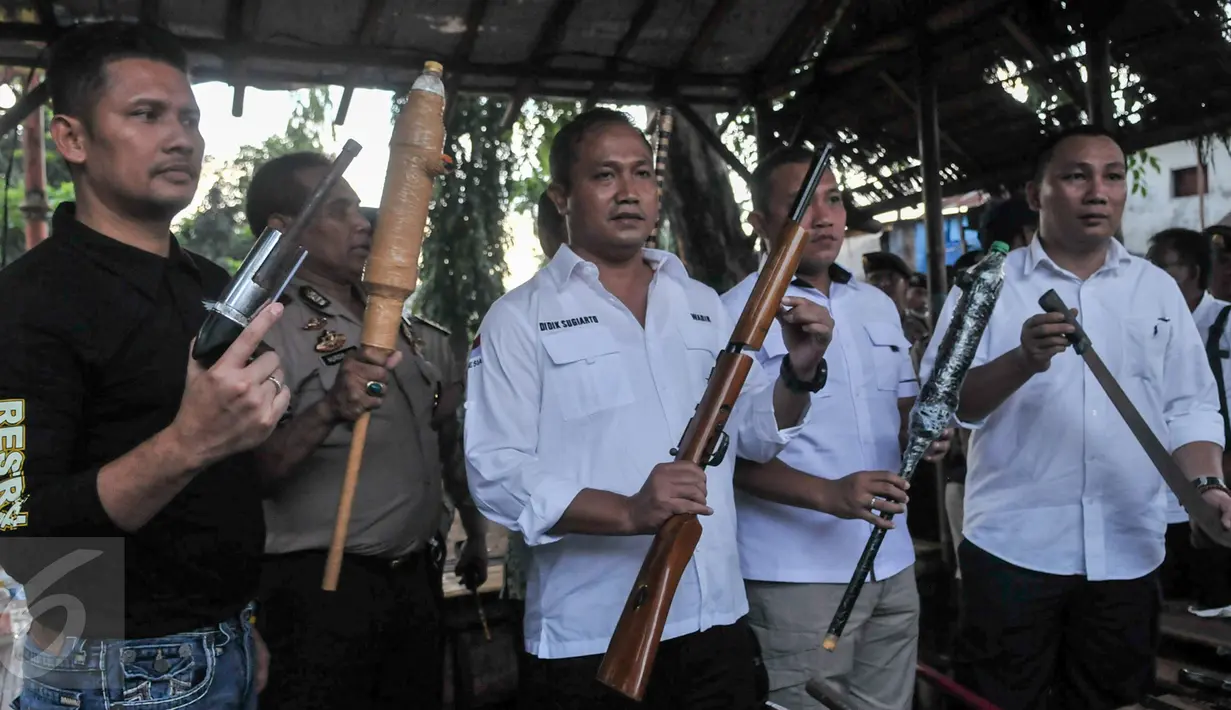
(1117, 256)
(567, 262)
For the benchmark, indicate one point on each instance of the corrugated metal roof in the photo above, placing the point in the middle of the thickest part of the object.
(860, 92)
(564, 47)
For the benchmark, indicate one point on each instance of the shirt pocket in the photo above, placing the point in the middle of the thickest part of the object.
(587, 374)
(888, 344)
(702, 353)
(1145, 347)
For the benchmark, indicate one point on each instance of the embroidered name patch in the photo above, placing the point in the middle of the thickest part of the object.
(337, 357)
(700, 318)
(566, 323)
(476, 355)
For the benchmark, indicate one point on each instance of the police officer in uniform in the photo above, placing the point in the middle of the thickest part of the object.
(375, 641)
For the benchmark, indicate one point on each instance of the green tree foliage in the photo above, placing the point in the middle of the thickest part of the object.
(1137, 164)
(533, 133)
(12, 170)
(218, 230)
(537, 126)
(463, 265)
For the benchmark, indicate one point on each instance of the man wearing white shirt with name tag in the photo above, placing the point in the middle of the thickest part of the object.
(1064, 512)
(581, 382)
(1203, 573)
(796, 556)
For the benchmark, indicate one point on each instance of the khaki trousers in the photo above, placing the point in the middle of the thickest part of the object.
(874, 663)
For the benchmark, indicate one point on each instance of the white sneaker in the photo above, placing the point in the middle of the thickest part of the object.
(1215, 613)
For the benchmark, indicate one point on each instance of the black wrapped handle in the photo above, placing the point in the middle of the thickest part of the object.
(1052, 303)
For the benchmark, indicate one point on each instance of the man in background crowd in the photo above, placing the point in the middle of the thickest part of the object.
(1202, 575)
(886, 271)
(1220, 274)
(1011, 221)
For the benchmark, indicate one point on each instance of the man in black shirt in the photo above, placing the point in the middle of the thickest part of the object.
(126, 447)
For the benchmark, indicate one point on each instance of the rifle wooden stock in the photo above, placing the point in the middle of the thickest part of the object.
(630, 656)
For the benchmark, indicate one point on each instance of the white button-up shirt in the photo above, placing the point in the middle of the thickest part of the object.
(1055, 480)
(854, 426)
(1204, 315)
(568, 391)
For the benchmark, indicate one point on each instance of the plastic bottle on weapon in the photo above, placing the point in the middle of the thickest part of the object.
(431, 79)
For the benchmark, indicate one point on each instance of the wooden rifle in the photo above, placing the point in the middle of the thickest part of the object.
(630, 655)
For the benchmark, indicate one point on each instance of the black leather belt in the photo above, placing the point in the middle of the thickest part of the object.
(382, 565)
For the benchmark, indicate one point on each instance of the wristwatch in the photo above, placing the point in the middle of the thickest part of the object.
(794, 384)
(1207, 483)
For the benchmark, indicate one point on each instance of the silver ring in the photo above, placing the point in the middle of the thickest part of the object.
(376, 389)
(872, 505)
(277, 385)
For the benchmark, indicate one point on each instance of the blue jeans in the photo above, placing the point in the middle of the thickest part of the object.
(207, 669)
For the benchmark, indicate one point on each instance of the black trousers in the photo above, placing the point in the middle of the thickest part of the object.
(1029, 640)
(1200, 575)
(716, 669)
(375, 642)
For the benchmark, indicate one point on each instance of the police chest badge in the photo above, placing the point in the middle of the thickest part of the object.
(330, 341)
(315, 323)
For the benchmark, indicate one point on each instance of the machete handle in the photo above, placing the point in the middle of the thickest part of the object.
(1052, 303)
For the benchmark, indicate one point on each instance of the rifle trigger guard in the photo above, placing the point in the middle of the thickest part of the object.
(720, 452)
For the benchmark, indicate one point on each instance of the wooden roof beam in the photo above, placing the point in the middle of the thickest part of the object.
(365, 34)
(474, 20)
(801, 38)
(640, 19)
(1065, 83)
(551, 34)
(461, 54)
(948, 20)
(1018, 171)
(235, 22)
(370, 21)
(149, 12)
(914, 106)
(377, 58)
(705, 35)
(29, 102)
(46, 11)
(707, 134)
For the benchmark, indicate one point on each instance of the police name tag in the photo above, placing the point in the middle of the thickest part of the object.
(335, 358)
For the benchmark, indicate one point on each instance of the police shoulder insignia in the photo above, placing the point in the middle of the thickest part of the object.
(314, 297)
(330, 341)
(408, 332)
(432, 324)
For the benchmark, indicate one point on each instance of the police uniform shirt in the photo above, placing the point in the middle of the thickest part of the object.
(101, 334)
(1204, 315)
(432, 343)
(567, 391)
(855, 426)
(398, 500)
(1055, 480)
